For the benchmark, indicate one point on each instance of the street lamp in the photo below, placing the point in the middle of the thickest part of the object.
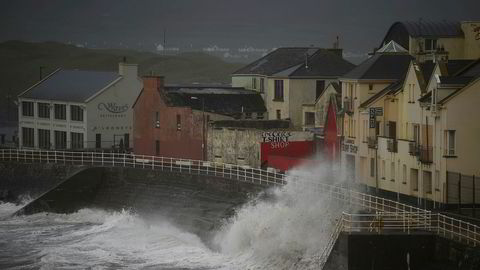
(203, 124)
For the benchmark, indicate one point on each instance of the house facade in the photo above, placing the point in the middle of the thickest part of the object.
(73, 109)
(287, 78)
(172, 121)
(426, 40)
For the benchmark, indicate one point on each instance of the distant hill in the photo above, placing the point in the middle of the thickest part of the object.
(21, 62)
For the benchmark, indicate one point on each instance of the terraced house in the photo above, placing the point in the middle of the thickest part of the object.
(76, 109)
(414, 139)
(290, 77)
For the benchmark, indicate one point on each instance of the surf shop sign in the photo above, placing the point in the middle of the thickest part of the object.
(277, 139)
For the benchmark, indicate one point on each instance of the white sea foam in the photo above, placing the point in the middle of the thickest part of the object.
(284, 231)
(278, 231)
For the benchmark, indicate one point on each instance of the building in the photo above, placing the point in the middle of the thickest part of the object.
(362, 83)
(287, 78)
(443, 40)
(259, 143)
(74, 109)
(325, 119)
(171, 121)
(404, 132)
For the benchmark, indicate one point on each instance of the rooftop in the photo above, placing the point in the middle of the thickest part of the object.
(255, 124)
(70, 85)
(215, 99)
(381, 66)
(299, 61)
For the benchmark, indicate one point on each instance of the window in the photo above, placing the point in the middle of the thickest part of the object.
(427, 182)
(28, 137)
(43, 110)
(126, 139)
(157, 120)
(98, 140)
(60, 111)
(76, 140)
(279, 114)
(260, 115)
(278, 95)
(437, 180)
(414, 179)
(60, 139)
(392, 172)
(76, 113)
(372, 167)
(450, 142)
(383, 169)
(179, 122)
(254, 83)
(309, 118)
(416, 133)
(430, 44)
(370, 87)
(157, 147)
(320, 86)
(27, 108)
(248, 115)
(44, 138)
(262, 85)
(404, 181)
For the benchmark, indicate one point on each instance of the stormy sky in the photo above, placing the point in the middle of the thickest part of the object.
(140, 24)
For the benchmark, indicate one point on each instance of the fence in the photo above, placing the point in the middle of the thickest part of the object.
(444, 226)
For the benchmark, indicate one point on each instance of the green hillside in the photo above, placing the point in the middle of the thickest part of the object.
(21, 62)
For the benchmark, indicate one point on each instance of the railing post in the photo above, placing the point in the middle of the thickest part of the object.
(102, 158)
(124, 159)
(153, 162)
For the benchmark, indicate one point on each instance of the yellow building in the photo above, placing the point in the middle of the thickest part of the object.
(287, 78)
(437, 40)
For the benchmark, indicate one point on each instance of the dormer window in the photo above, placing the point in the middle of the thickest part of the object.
(430, 44)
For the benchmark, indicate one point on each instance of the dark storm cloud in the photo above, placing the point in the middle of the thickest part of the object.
(259, 23)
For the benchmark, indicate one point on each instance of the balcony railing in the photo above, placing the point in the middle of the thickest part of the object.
(348, 105)
(425, 154)
(412, 148)
(372, 142)
(392, 145)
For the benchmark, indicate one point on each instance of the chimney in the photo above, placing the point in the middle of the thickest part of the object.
(153, 83)
(128, 70)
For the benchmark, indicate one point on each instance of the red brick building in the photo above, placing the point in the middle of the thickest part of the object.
(171, 121)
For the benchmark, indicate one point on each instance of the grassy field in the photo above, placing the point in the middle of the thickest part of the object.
(21, 62)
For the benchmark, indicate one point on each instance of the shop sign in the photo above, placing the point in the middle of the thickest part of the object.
(349, 148)
(112, 107)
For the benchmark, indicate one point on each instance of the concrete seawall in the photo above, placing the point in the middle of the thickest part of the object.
(32, 180)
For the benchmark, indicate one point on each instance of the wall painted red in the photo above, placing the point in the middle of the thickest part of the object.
(292, 149)
(332, 144)
(185, 142)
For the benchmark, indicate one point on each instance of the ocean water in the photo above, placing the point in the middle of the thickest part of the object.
(286, 228)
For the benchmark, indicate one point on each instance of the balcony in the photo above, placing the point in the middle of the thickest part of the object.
(425, 154)
(412, 148)
(392, 145)
(348, 105)
(372, 142)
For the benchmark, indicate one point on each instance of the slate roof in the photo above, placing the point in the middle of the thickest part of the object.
(292, 62)
(217, 99)
(70, 85)
(427, 68)
(432, 29)
(380, 66)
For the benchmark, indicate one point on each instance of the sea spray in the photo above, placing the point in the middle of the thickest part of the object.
(293, 225)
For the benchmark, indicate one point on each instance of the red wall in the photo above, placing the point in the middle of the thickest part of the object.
(183, 143)
(272, 153)
(332, 144)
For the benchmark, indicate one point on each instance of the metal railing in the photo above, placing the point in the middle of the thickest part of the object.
(435, 223)
(102, 159)
(451, 228)
(331, 243)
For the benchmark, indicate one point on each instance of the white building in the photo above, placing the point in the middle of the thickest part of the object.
(73, 109)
